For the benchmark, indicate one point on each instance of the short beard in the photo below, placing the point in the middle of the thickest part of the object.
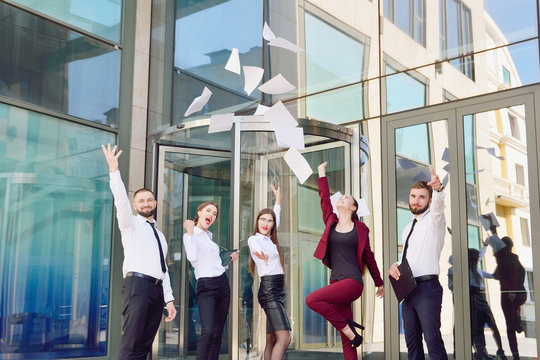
(147, 214)
(418, 211)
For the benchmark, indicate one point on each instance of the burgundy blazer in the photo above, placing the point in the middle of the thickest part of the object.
(363, 251)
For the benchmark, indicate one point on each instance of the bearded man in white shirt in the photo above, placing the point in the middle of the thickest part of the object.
(423, 240)
(146, 287)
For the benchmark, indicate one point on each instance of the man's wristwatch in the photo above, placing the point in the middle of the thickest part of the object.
(440, 189)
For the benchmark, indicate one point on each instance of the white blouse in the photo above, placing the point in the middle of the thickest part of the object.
(203, 254)
(258, 243)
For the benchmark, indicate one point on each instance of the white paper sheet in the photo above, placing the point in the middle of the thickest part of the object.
(221, 122)
(261, 109)
(491, 152)
(252, 78)
(267, 32)
(290, 137)
(279, 116)
(198, 103)
(333, 200)
(233, 64)
(284, 44)
(298, 165)
(277, 85)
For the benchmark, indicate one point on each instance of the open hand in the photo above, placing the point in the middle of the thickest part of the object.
(262, 256)
(111, 156)
(277, 193)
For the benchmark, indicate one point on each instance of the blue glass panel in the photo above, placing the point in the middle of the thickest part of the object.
(100, 17)
(403, 92)
(51, 66)
(208, 30)
(403, 15)
(473, 233)
(413, 142)
(56, 210)
(333, 58)
(347, 104)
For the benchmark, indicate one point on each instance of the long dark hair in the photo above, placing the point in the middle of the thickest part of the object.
(273, 237)
(202, 206)
(474, 256)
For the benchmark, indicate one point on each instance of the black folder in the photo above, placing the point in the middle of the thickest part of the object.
(406, 283)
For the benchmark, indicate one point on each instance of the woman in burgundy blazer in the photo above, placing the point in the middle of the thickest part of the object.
(344, 248)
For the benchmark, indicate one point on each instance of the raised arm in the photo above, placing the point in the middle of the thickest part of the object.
(324, 192)
(277, 203)
(124, 213)
(437, 202)
(190, 245)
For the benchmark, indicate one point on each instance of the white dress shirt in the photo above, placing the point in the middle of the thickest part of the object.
(141, 252)
(427, 239)
(203, 254)
(258, 243)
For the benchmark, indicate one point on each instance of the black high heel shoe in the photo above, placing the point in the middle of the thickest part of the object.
(357, 341)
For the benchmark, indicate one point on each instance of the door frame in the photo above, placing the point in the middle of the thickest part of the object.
(453, 113)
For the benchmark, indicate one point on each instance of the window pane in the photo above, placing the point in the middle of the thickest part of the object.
(100, 17)
(417, 149)
(525, 234)
(473, 233)
(470, 163)
(56, 68)
(56, 226)
(333, 58)
(403, 15)
(403, 91)
(347, 105)
(206, 33)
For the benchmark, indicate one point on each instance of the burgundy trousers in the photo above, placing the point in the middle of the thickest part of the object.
(334, 303)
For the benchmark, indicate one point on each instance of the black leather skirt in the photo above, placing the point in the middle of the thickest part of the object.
(271, 296)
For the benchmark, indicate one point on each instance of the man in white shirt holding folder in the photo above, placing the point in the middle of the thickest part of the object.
(146, 287)
(423, 240)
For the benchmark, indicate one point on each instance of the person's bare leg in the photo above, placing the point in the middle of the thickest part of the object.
(348, 332)
(270, 342)
(283, 339)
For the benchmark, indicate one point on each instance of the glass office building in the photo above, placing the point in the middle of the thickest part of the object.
(384, 89)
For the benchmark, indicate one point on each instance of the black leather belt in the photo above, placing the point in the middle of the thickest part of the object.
(145, 277)
(423, 278)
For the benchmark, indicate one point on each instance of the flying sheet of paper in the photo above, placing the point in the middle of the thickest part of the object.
(364, 144)
(277, 85)
(221, 122)
(474, 172)
(279, 116)
(487, 220)
(406, 164)
(261, 109)
(445, 180)
(285, 44)
(478, 147)
(491, 152)
(252, 78)
(199, 102)
(233, 64)
(446, 167)
(362, 210)
(298, 164)
(267, 33)
(445, 155)
(290, 137)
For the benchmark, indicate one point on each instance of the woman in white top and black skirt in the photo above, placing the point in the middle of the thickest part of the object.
(213, 293)
(266, 255)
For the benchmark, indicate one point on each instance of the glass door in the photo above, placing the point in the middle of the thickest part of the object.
(188, 177)
(300, 229)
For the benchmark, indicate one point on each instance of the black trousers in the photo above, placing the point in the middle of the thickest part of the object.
(421, 312)
(213, 299)
(141, 311)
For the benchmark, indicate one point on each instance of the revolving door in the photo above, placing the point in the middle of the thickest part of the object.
(235, 169)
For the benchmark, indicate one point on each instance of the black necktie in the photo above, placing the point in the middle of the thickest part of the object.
(407, 240)
(161, 257)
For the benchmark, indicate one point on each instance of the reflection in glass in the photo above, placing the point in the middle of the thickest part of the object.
(403, 90)
(499, 191)
(409, 16)
(56, 237)
(456, 35)
(100, 17)
(415, 153)
(51, 66)
(190, 179)
(218, 31)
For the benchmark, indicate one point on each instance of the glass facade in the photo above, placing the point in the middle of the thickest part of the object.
(75, 74)
(57, 68)
(56, 228)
